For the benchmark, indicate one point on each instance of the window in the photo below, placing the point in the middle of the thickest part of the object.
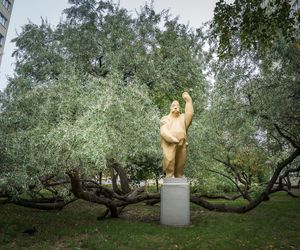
(3, 20)
(295, 6)
(6, 4)
(1, 40)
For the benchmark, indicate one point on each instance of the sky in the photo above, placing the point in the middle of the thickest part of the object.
(194, 12)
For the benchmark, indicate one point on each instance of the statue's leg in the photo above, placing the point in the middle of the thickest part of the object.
(180, 160)
(169, 158)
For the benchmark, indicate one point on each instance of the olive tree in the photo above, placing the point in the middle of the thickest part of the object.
(88, 94)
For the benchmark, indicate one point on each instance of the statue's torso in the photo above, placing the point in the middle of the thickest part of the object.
(176, 126)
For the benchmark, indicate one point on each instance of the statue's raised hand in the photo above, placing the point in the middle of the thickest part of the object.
(186, 97)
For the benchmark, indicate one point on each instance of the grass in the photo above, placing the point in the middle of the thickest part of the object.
(273, 225)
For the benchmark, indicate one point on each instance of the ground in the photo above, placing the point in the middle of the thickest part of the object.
(275, 224)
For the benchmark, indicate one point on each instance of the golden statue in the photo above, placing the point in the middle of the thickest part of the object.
(173, 132)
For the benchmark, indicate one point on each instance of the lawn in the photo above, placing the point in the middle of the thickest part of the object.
(275, 224)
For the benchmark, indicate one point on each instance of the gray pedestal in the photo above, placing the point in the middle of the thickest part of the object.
(175, 202)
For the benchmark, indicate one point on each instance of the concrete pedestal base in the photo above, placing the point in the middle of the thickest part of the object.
(175, 202)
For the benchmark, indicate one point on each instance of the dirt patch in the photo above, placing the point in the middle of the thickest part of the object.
(145, 215)
(63, 243)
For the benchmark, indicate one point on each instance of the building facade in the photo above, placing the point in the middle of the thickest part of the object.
(295, 5)
(5, 13)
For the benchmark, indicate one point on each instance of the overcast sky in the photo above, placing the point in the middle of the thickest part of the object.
(194, 12)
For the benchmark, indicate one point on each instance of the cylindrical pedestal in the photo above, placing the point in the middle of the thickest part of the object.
(175, 202)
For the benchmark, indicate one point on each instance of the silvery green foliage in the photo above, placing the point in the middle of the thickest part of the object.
(90, 88)
(77, 122)
(250, 95)
(258, 25)
(100, 38)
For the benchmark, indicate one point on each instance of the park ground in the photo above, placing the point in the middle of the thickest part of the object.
(275, 224)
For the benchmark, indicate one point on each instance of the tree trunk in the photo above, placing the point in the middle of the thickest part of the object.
(125, 188)
(114, 177)
(100, 177)
(113, 211)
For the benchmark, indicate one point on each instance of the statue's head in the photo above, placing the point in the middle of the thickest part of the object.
(175, 108)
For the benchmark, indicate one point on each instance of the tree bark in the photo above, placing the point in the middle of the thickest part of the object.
(156, 183)
(58, 205)
(100, 177)
(125, 187)
(114, 177)
(113, 211)
(113, 201)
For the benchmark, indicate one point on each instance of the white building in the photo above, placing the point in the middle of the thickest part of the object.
(5, 13)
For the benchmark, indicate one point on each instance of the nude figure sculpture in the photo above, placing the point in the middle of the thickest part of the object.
(173, 132)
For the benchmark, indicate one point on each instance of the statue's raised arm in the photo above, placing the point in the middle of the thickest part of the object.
(189, 110)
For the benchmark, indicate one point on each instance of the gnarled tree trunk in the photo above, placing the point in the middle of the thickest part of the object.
(118, 171)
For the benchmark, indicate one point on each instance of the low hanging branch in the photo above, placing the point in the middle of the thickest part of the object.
(42, 204)
(244, 180)
(92, 191)
(263, 196)
(104, 196)
(286, 187)
(216, 197)
(114, 201)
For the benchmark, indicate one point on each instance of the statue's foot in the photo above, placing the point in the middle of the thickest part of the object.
(169, 176)
(179, 176)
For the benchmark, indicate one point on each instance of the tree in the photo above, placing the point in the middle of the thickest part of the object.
(246, 131)
(76, 125)
(257, 25)
(86, 95)
(252, 124)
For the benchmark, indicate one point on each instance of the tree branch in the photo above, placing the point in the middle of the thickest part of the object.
(253, 203)
(293, 142)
